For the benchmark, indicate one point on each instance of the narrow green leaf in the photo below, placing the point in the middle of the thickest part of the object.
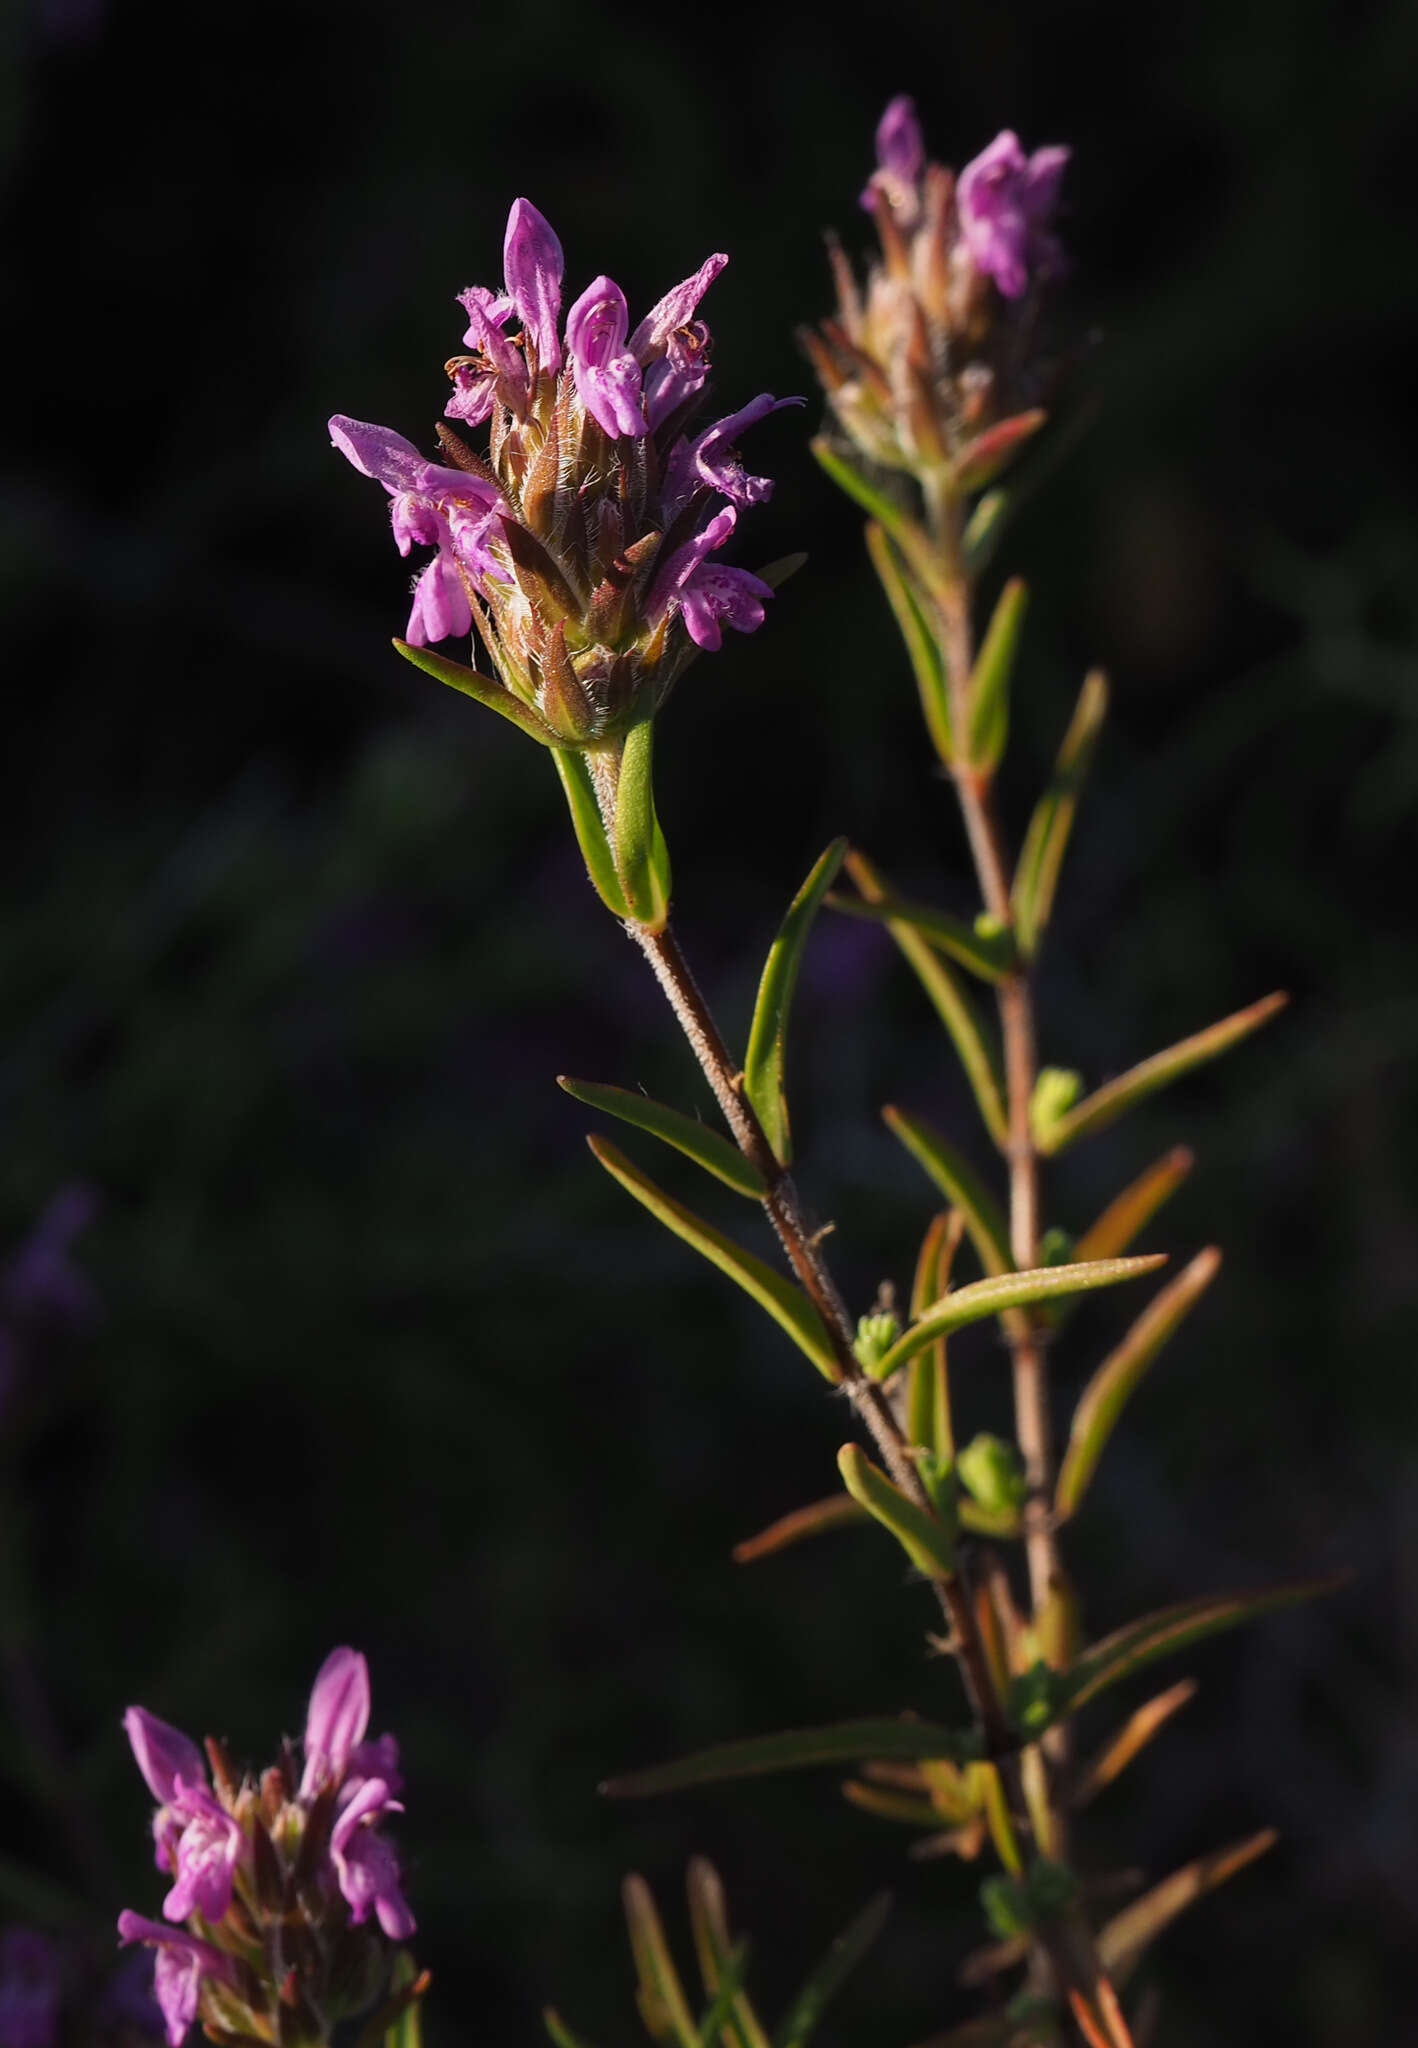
(788, 1305)
(571, 765)
(796, 1749)
(1122, 1941)
(1133, 1737)
(925, 1539)
(816, 1519)
(777, 572)
(1174, 1628)
(640, 856)
(985, 529)
(721, 1962)
(558, 2030)
(1041, 856)
(1008, 1290)
(951, 1004)
(406, 1982)
(958, 1182)
(660, 1995)
(484, 690)
(1111, 1100)
(903, 529)
(989, 683)
(987, 455)
(763, 1063)
(922, 645)
(928, 1417)
(706, 1148)
(1129, 1213)
(991, 955)
(822, 1984)
(1117, 1378)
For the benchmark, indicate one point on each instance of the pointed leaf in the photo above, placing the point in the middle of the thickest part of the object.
(958, 1182)
(928, 1417)
(989, 683)
(705, 1147)
(660, 1995)
(1122, 1941)
(1118, 1377)
(483, 689)
(777, 572)
(763, 1063)
(801, 2019)
(398, 2019)
(984, 458)
(1008, 1290)
(925, 1539)
(836, 1512)
(951, 1004)
(558, 2030)
(1111, 1100)
(715, 2030)
(723, 1978)
(575, 774)
(1174, 1628)
(990, 955)
(911, 1811)
(922, 644)
(1134, 1735)
(984, 530)
(1041, 856)
(903, 529)
(788, 1305)
(1128, 1215)
(796, 1749)
(640, 859)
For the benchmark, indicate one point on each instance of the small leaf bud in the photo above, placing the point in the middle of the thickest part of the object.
(1055, 1092)
(991, 1470)
(876, 1333)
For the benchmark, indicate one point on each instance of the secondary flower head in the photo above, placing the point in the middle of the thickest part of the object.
(933, 366)
(576, 547)
(285, 1895)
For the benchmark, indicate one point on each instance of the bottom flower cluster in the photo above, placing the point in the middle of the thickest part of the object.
(285, 1905)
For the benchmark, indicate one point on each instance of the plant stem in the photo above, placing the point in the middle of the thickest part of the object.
(1032, 1407)
(802, 1245)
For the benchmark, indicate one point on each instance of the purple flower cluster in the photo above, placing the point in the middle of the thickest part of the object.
(579, 547)
(265, 1873)
(940, 346)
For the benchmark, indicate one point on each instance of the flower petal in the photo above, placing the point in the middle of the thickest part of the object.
(339, 1700)
(674, 310)
(716, 593)
(163, 1754)
(533, 264)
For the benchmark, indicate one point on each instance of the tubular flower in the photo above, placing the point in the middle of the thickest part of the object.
(574, 548)
(265, 1927)
(928, 367)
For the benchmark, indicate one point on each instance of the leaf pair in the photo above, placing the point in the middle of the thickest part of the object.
(628, 861)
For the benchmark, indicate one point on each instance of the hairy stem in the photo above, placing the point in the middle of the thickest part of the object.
(803, 1247)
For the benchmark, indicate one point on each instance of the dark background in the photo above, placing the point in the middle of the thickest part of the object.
(293, 944)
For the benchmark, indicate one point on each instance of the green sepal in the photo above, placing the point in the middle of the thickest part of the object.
(763, 1062)
(988, 952)
(484, 690)
(1041, 856)
(721, 1962)
(922, 642)
(1117, 1378)
(889, 1737)
(958, 1182)
(942, 985)
(926, 1540)
(706, 1148)
(659, 1993)
(788, 1305)
(1115, 1097)
(641, 856)
(1123, 1939)
(1174, 1628)
(826, 1978)
(989, 680)
(1006, 1291)
(571, 765)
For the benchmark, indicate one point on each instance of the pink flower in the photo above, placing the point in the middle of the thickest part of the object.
(184, 1964)
(336, 1719)
(197, 1839)
(365, 1863)
(1006, 201)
